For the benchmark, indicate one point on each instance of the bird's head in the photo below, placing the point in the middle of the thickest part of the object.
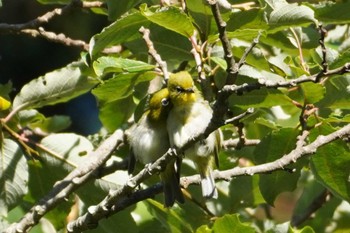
(181, 88)
(159, 105)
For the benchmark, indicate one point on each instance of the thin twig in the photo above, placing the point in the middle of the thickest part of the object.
(300, 49)
(236, 119)
(34, 29)
(58, 38)
(37, 22)
(153, 52)
(70, 183)
(315, 205)
(201, 205)
(102, 210)
(230, 89)
(247, 51)
(324, 64)
(198, 58)
(95, 4)
(233, 143)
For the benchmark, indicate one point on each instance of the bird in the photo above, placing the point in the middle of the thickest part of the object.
(149, 140)
(189, 116)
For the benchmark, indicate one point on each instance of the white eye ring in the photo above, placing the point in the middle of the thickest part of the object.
(165, 102)
(179, 89)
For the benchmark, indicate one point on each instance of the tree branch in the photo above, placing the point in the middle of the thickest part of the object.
(71, 182)
(58, 38)
(315, 205)
(232, 69)
(34, 29)
(230, 89)
(153, 52)
(35, 23)
(118, 200)
(324, 64)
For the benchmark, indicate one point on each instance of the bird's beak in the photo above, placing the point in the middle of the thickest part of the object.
(190, 90)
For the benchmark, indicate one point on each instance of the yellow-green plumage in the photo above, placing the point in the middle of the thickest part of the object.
(189, 116)
(149, 141)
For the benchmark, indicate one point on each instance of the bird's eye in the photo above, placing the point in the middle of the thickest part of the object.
(179, 89)
(165, 102)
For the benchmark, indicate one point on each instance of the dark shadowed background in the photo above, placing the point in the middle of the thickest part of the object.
(23, 58)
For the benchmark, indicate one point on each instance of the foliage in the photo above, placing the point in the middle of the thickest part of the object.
(295, 77)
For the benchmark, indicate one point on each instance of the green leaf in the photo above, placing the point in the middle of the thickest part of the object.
(263, 98)
(248, 19)
(168, 217)
(30, 116)
(69, 150)
(53, 124)
(231, 224)
(311, 191)
(280, 40)
(116, 113)
(95, 190)
(341, 60)
(170, 17)
(290, 15)
(330, 164)
(202, 16)
(323, 216)
(123, 30)
(171, 46)
(118, 8)
(13, 176)
(338, 119)
(65, 152)
(121, 222)
(243, 192)
(55, 87)
(266, 122)
(332, 12)
(312, 92)
(6, 89)
(337, 93)
(4, 104)
(106, 64)
(306, 229)
(62, 2)
(272, 147)
(124, 83)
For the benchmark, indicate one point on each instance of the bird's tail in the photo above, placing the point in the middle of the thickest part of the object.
(208, 185)
(204, 166)
(171, 186)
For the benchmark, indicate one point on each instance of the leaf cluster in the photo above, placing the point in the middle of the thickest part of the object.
(38, 152)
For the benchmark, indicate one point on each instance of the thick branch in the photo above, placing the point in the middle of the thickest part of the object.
(116, 202)
(288, 159)
(104, 208)
(71, 182)
(232, 70)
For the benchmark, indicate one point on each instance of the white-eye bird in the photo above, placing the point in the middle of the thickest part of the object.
(149, 140)
(189, 116)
